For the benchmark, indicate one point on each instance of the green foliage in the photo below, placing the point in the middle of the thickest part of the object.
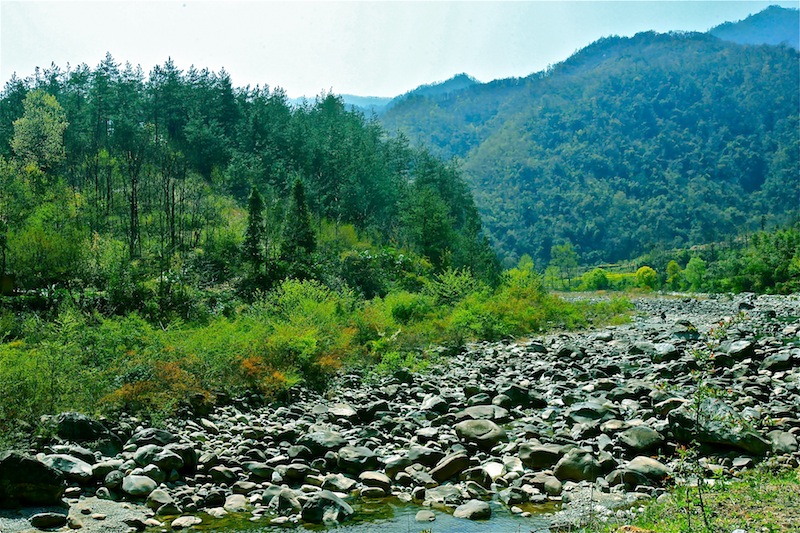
(647, 278)
(635, 142)
(595, 280)
(695, 273)
(39, 133)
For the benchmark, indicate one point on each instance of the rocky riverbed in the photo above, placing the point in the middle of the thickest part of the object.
(537, 434)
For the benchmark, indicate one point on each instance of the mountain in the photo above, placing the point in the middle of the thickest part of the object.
(366, 104)
(775, 25)
(656, 140)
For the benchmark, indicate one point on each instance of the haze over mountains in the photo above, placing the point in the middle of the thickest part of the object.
(656, 140)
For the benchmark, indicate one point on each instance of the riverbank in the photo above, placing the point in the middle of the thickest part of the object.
(542, 433)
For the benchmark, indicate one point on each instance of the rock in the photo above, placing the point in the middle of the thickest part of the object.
(321, 442)
(434, 403)
(185, 522)
(425, 516)
(539, 457)
(738, 350)
(473, 510)
(356, 459)
(485, 434)
(423, 455)
(782, 442)
(483, 412)
(160, 437)
(373, 492)
(641, 438)
(285, 503)
(717, 424)
(779, 361)
(338, 483)
(77, 427)
(376, 479)
(443, 495)
(589, 411)
(450, 466)
(138, 486)
(223, 474)
(26, 481)
(48, 520)
(577, 465)
(648, 468)
(163, 458)
(158, 498)
(74, 469)
(325, 507)
(235, 503)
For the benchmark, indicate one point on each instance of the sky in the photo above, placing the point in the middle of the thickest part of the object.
(377, 48)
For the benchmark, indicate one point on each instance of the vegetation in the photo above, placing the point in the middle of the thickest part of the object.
(168, 241)
(654, 141)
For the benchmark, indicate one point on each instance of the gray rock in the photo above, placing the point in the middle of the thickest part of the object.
(48, 520)
(443, 495)
(641, 438)
(235, 503)
(718, 424)
(325, 507)
(376, 479)
(356, 459)
(473, 510)
(578, 465)
(425, 516)
(539, 457)
(158, 498)
(321, 442)
(160, 437)
(285, 503)
(450, 466)
(26, 481)
(74, 469)
(484, 412)
(423, 455)
(161, 457)
(485, 434)
(649, 468)
(138, 486)
(183, 522)
(338, 483)
(782, 442)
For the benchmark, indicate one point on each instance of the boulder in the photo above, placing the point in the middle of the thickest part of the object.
(450, 466)
(484, 434)
(716, 424)
(578, 465)
(27, 481)
(48, 520)
(138, 486)
(484, 412)
(539, 457)
(473, 510)
(356, 459)
(324, 507)
(74, 469)
(321, 442)
(77, 427)
(641, 438)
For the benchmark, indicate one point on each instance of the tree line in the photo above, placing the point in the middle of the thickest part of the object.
(171, 183)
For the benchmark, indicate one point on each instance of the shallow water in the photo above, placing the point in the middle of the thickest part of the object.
(393, 516)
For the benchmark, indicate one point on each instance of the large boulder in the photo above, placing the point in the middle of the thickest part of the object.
(473, 510)
(484, 434)
(321, 442)
(77, 427)
(641, 438)
(26, 481)
(74, 469)
(450, 466)
(578, 465)
(138, 486)
(484, 412)
(324, 507)
(356, 459)
(539, 457)
(715, 423)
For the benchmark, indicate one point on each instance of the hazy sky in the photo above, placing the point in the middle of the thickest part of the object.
(365, 48)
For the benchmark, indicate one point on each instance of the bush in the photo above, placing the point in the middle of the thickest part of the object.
(647, 278)
(595, 280)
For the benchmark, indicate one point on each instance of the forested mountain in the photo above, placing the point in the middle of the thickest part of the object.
(774, 25)
(114, 180)
(658, 140)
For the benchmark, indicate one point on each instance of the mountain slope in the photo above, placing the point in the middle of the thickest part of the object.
(654, 140)
(775, 25)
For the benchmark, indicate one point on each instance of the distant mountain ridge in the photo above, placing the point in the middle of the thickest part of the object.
(775, 25)
(652, 140)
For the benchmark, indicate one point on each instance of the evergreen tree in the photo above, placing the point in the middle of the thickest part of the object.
(253, 248)
(299, 241)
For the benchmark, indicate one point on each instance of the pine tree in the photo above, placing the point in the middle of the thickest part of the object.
(254, 235)
(299, 241)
